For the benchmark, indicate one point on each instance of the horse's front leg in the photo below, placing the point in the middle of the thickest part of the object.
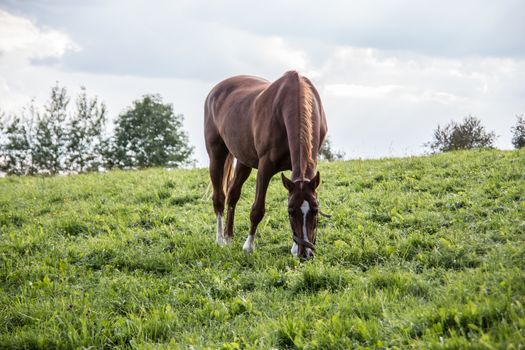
(264, 175)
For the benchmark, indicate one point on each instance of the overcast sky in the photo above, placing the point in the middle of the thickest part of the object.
(388, 71)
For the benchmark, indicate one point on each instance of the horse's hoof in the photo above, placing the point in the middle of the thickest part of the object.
(248, 246)
(295, 250)
(227, 240)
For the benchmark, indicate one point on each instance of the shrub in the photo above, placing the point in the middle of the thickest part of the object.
(459, 136)
(518, 132)
(327, 153)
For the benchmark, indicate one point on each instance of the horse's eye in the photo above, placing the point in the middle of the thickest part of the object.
(290, 211)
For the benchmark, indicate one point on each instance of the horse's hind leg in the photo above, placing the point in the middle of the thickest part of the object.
(218, 154)
(242, 172)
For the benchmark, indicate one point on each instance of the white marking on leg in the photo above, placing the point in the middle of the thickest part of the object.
(219, 238)
(248, 245)
(295, 249)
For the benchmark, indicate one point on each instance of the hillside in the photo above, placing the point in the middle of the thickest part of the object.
(420, 252)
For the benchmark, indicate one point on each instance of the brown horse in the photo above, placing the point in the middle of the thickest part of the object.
(271, 127)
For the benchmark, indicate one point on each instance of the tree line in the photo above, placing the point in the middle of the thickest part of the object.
(467, 134)
(63, 137)
(470, 133)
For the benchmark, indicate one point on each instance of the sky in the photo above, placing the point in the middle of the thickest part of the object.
(388, 72)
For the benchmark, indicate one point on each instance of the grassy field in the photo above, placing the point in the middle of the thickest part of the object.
(425, 252)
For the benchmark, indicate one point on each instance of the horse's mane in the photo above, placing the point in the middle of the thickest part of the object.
(305, 125)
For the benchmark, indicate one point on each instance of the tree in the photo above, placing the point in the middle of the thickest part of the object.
(16, 142)
(326, 153)
(14, 148)
(51, 137)
(457, 136)
(50, 140)
(149, 134)
(84, 134)
(518, 132)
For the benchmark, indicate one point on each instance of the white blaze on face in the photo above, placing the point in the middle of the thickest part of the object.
(305, 208)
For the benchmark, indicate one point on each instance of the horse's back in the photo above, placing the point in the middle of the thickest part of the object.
(233, 95)
(254, 118)
(228, 112)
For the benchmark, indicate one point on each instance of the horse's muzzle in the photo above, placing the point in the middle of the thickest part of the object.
(308, 247)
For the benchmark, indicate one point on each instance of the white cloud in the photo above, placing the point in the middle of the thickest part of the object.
(23, 40)
(387, 74)
(436, 27)
(388, 103)
(168, 43)
(361, 91)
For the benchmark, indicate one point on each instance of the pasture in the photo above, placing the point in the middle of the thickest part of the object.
(420, 252)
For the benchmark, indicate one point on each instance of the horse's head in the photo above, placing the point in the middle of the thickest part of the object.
(303, 210)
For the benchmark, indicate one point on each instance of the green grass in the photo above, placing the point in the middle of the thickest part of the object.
(423, 252)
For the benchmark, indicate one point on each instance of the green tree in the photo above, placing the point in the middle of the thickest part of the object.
(465, 135)
(149, 134)
(518, 132)
(16, 142)
(326, 152)
(51, 136)
(50, 140)
(84, 134)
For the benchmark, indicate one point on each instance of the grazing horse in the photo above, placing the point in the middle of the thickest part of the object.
(271, 127)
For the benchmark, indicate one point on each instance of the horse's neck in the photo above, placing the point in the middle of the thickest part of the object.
(298, 155)
(308, 175)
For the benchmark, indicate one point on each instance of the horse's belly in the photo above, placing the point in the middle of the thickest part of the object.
(240, 143)
(245, 155)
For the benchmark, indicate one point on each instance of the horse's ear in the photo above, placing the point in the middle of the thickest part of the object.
(288, 184)
(314, 183)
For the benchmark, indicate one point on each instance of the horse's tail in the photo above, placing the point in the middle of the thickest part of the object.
(227, 176)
